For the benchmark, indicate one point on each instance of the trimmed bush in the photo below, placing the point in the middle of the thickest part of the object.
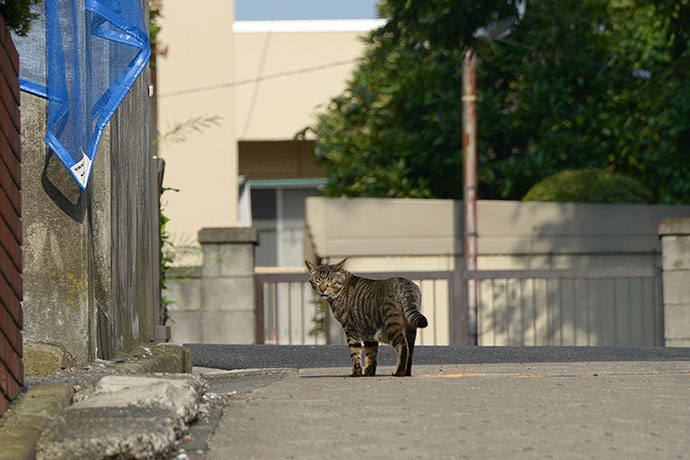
(590, 185)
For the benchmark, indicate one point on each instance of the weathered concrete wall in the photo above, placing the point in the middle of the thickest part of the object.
(134, 222)
(56, 262)
(214, 303)
(675, 241)
(397, 234)
(91, 257)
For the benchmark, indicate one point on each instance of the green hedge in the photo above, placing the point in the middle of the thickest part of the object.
(589, 185)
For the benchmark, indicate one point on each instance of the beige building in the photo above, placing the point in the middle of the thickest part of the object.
(265, 80)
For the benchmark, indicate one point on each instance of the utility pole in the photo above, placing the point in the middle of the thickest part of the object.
(469, 166)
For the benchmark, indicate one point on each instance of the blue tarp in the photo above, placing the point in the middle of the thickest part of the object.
(83, 56)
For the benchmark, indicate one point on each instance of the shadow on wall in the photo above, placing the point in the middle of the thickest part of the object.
(584, 310)
(60, 186)
(570, 311)
(567, 235)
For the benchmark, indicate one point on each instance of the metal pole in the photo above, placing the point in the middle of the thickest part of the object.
(469, 164)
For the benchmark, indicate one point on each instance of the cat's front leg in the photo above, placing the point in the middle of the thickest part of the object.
(371, 350)
(355, 347)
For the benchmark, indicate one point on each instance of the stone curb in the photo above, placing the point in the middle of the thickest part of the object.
(28, 415)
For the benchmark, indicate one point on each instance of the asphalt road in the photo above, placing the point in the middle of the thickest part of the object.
(323, 356)
(461, 402)
(605, 410)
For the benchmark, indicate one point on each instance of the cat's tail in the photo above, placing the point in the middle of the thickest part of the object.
(416, 319)
(412, 300)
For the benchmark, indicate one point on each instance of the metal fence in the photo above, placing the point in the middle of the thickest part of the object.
(608, 306)
(612, 306)
(288, 312)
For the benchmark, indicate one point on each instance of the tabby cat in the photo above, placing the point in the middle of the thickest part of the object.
(371, 311)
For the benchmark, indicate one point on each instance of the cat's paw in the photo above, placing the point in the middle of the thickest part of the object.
(356, 372)
(400, 373)
(370, 372)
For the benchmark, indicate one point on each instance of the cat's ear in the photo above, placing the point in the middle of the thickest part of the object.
(310, 266)
(339, 265)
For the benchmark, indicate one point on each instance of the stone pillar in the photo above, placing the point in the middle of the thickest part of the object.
(227, 285)
(675, 246)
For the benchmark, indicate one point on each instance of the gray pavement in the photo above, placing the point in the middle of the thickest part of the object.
(461, 402)
(597, 409)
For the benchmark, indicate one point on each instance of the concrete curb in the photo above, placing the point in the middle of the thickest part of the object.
(28, 415)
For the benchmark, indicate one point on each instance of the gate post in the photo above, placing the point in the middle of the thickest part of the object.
(227, 285)
(675, 248)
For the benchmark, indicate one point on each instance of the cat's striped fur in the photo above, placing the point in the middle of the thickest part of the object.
(371, 311)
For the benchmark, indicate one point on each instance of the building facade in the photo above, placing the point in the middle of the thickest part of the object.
(266, 80)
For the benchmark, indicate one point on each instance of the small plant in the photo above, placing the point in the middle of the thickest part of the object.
(319, 318)
(169, 251)
(157, 47)
(178, 132)
(18, 15)
(167, 258)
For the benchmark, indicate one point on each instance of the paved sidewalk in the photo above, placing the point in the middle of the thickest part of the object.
(608, 410)
(135, 407)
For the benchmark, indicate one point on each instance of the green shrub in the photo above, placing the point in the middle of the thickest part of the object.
(589, 185)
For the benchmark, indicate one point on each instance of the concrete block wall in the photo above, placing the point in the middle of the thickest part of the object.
(214, 303)
(675, 242)
(11, 285)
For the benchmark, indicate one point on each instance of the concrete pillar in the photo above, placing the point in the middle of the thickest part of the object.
(675, 247)
(227, 284)
(56, 263)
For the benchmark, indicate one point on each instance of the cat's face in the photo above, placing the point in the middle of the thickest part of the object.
(327, 280)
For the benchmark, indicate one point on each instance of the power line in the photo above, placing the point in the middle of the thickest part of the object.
(287, 73)
(255, 92)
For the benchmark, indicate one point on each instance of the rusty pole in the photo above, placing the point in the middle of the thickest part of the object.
(469, 166)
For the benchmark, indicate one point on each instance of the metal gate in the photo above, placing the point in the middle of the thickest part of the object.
(596, 306)
(609, 306)
(287, 311)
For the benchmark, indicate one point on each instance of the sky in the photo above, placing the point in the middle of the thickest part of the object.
(273, 10)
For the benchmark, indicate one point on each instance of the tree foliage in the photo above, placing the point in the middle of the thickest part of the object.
(578, 83)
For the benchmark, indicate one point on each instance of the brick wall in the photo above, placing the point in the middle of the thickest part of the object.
(11, 368)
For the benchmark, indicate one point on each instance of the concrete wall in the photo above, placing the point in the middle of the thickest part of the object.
(675, 240)
(214, 303)
(385, 234)
(90, 257)
(424, 235)
(127, 238)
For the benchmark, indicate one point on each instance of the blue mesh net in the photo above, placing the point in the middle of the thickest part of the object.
(84, 56)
